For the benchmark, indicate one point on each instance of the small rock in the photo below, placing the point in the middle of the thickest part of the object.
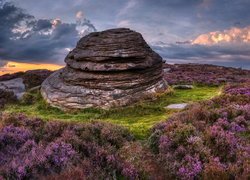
(183, 87)
(15, 85)
(166, 70)
(176, 106)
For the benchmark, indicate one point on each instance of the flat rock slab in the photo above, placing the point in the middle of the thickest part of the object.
(183, 87)
(15, 85)
(177, 106)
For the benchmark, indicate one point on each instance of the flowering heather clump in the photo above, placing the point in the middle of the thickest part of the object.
(190, 167)
(32, 148)
(209, 140)
(203, 74)
(27, 161)
(214, 169)
(60, 153)
(11, 139)
(236, 89)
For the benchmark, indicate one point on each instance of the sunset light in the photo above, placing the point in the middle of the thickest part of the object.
(12, 67)
(232, 35)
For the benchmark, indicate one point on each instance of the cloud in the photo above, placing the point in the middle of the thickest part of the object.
(206, 4)
(25, 38)
(228, 47)
(124, 23)
(44, 24)
(237, 55)
(182, 19)
(127, 8)
(79, 15)
(84, 26)
(232, 35)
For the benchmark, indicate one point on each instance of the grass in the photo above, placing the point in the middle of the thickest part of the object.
(138, 118)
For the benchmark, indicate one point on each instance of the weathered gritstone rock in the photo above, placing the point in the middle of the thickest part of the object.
(106, 69)
(177, 106)
(14, 85)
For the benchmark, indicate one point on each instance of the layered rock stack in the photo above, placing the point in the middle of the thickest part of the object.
(106, 69)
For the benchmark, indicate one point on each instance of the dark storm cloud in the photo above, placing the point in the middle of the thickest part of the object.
(224, 13)
(24, 38)
(10, 17)
(42, 24)
(101, 13)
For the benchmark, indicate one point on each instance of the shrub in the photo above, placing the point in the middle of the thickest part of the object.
(35, 78)
(209, 140)
(203, 74)
(32, 148)
(214, 169)
(7, 77)
(28, 99)
(6, 97)
(238, 89)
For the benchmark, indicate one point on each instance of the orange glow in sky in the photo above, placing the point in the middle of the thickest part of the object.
(12, 67)
(234, 34)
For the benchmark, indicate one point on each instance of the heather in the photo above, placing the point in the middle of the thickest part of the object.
(32, 148)
(210, 140)
(238, 89)
(7, 77)
(205, 74)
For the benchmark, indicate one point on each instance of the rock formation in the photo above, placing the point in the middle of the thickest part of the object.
(106, 69)
(16, 86)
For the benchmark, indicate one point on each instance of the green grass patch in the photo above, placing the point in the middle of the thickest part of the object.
(138, 118)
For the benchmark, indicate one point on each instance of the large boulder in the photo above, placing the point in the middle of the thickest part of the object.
(106, 69)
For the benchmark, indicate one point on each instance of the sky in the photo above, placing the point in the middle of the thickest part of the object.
(181, 31)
